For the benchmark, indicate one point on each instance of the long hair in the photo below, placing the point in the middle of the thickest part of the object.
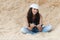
(30, 17)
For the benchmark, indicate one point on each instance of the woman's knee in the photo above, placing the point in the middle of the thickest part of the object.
(47, 28)
(24, 30)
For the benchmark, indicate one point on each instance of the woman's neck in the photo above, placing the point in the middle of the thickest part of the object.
(33, 15)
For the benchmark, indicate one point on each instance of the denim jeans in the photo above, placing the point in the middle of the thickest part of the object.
(35, 30)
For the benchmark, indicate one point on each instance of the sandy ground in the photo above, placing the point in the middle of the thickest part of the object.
(13, 15)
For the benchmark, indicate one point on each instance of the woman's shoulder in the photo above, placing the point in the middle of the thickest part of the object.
(40, 16)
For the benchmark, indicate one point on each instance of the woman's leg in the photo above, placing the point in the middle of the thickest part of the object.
(25, 30)
(47, 28)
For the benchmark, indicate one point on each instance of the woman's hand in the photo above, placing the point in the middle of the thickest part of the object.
(32, 25)
(39, 27)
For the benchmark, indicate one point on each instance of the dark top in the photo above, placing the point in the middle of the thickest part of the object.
(35, 20)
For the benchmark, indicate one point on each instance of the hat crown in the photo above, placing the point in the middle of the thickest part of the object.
(34, 6)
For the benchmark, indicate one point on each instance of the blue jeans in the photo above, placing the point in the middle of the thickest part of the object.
(35, 30)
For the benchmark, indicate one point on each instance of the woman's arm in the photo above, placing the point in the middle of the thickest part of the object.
(40, 23)
(41, 20)
(31, 25)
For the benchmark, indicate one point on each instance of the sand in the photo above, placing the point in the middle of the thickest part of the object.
(13, 14)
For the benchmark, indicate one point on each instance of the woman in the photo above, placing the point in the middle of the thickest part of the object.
(34, 21)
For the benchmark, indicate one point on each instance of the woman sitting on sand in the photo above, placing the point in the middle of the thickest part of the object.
(34, 21)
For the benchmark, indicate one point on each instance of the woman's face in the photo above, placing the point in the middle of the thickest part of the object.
(34, 11)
